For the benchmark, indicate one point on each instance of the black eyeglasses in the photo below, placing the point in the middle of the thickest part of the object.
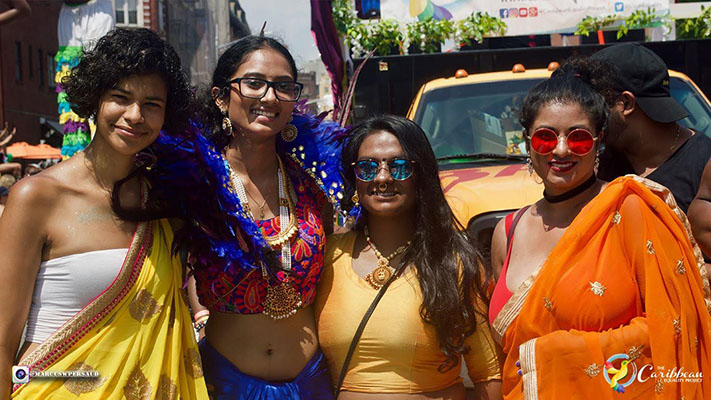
(254, 88)
(399, 168)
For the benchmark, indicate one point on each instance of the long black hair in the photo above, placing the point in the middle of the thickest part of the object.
(448, 266)
(208, 113)
(581, 81)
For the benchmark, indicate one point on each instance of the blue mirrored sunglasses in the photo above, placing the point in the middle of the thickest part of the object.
(399, 168)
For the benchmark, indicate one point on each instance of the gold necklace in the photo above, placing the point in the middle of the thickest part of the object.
(377, 277)
(285, 233)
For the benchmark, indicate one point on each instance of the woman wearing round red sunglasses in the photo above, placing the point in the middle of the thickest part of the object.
(600, 280)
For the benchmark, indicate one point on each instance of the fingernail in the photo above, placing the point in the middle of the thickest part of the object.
(518, 364)
(520, 373)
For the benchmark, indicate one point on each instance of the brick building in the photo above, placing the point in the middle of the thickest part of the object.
(198, 29)
(27, 90)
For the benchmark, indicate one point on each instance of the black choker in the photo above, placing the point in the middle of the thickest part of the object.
(572, 192)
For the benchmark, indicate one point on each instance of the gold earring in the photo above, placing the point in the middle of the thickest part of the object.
(355, 199)
(529, 164)
(289, 132)
(226, 123)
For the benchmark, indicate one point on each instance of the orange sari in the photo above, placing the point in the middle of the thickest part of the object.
(619, 309)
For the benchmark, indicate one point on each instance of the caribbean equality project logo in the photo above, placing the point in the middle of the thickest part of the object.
(621, 374)
(620, 371)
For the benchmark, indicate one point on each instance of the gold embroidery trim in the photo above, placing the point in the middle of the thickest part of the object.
(597, 288)
(650, 247)
(137, 386)
(512, 307)
(616, 218)
(167, 390)
(193, 365)
(64, 338)
(635, 351)
(677, 325)
(680, 267)
(668, 198)
(79, 386)
(527, 356)
(547, 303)
(144, 306)
(592, 370)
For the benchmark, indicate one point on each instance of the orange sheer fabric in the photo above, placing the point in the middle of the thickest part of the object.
(625, 279)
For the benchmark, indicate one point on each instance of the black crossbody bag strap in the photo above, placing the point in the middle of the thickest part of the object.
(361, 327)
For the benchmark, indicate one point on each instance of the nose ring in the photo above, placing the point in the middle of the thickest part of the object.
(382, 187)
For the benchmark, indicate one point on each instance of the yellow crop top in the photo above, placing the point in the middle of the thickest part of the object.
(398, 352)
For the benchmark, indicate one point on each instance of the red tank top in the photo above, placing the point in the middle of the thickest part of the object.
(501, 292)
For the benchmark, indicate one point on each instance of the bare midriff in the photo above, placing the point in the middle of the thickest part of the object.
(262, 347)
(454, 392)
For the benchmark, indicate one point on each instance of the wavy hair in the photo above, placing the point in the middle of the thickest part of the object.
(122, 53)
(448, 267)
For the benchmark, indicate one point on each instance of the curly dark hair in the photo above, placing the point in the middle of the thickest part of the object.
(583, 81)
(122, 53)
(449, 268)
(207, 111)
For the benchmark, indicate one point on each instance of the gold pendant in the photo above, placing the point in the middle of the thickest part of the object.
(377, 277)
(282, 300)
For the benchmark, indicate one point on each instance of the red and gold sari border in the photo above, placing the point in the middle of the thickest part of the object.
(61, 341)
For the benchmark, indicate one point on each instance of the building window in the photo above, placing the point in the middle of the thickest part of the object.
(30, 53)
(40, 67)
(51, 69)
(18, 62)
(127, 12)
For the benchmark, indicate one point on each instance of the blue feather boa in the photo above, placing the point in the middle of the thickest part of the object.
(191, 174)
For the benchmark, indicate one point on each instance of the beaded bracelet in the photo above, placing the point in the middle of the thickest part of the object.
(199, 325)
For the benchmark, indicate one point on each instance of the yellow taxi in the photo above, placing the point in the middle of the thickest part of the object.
(472, 125)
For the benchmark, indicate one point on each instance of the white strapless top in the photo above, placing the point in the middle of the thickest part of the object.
(65, 285)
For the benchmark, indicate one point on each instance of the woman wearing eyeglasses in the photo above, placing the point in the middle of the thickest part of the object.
(600, 291)
(253, 185)
(407, 246)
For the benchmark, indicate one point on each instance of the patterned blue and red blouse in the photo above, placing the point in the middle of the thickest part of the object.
(243, 290)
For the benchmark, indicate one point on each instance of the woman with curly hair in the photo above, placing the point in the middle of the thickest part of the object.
(100, 295)
(432, 313)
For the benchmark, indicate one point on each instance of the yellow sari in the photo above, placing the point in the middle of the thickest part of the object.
(137, 334)
(618, 309)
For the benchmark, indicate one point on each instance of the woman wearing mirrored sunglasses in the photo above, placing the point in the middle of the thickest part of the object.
(431, 315)
(600, 282)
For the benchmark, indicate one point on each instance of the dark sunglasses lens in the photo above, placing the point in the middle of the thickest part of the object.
(580, 142)
(543, 141)
(366, 170)
(400, 169)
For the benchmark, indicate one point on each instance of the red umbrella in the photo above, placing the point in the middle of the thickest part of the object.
(37, 152)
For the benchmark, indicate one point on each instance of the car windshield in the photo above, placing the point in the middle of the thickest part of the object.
(480, 118)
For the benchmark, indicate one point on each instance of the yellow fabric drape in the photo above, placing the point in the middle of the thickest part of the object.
(137, 334)
(625, 279)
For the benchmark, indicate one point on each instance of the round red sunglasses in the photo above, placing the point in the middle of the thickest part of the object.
(580, 141)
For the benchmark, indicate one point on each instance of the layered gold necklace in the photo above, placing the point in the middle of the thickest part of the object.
(377, 277)
(282, 300)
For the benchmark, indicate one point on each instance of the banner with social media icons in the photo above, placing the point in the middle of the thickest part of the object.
(523, 17)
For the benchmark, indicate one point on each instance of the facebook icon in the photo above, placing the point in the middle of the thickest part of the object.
(504, 12)
(619, 6)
